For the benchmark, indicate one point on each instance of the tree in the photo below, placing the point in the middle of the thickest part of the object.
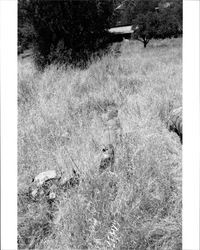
(123, 12)
(128, 10)
(174, 11)
(148, 23)
(143, 7)
(69, 31)
(145, 27)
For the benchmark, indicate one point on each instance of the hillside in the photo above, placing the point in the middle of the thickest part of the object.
(62, 124)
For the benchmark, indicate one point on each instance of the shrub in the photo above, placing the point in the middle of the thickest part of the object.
(69, 31)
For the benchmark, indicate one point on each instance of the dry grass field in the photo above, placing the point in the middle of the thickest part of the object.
(61, 124)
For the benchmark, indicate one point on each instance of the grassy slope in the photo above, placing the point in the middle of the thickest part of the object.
(60, 116)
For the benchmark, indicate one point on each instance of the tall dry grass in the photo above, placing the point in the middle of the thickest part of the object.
(59, 118)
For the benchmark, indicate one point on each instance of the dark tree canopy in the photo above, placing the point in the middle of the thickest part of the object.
(25, 28)
(68, 30)
(130, 9)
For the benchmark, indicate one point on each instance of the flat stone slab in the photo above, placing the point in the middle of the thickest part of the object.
(45, 176)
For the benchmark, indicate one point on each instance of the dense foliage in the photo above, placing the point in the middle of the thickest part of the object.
(68, 31)
(26, 33)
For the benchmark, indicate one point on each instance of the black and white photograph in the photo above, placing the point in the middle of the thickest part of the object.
(99, 124)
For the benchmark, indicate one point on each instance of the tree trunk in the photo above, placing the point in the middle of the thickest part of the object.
(145, 43)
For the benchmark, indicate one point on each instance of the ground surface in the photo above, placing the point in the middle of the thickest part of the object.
(62, 123)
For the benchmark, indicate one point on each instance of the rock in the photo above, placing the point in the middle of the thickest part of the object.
(40, 179)
(34, 193)
(174, 122)
(52, 196)
(48, 184)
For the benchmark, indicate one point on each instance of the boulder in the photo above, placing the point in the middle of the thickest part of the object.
(41, 178)
(174, 122)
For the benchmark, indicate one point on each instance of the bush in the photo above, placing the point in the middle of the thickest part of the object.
(69, 31)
